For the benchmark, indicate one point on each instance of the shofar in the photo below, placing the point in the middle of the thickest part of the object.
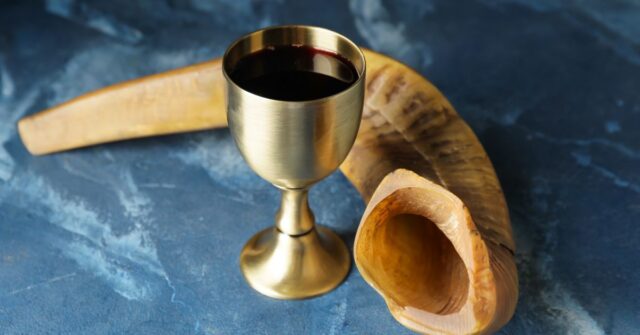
(435, 239)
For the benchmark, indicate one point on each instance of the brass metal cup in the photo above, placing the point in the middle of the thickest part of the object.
(294, 144)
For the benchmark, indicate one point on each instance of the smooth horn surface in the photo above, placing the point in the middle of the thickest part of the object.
(181, 100)
(435, 240)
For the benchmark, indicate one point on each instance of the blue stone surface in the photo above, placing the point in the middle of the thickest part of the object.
(143, 237)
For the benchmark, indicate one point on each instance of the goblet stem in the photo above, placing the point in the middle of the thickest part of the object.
(294, 216)
(295, 259)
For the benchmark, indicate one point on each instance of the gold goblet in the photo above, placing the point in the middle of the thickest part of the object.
(293, 141)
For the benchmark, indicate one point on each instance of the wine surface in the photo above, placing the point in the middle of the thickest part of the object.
(294, 73)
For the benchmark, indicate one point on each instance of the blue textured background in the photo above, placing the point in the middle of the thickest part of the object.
(143, 237)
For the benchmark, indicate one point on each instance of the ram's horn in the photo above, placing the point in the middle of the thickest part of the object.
(435, 239)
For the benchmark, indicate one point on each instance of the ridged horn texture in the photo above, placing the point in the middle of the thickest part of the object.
(435, 239)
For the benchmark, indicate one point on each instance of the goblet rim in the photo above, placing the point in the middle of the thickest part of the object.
(361, 72)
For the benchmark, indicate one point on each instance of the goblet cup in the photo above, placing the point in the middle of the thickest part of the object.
(294, 143)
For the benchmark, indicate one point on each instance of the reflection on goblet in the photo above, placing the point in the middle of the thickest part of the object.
(295, 96)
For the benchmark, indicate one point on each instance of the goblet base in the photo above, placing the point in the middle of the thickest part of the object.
(295, 267)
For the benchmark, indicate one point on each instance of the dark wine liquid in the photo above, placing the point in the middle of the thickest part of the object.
(294, 73)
